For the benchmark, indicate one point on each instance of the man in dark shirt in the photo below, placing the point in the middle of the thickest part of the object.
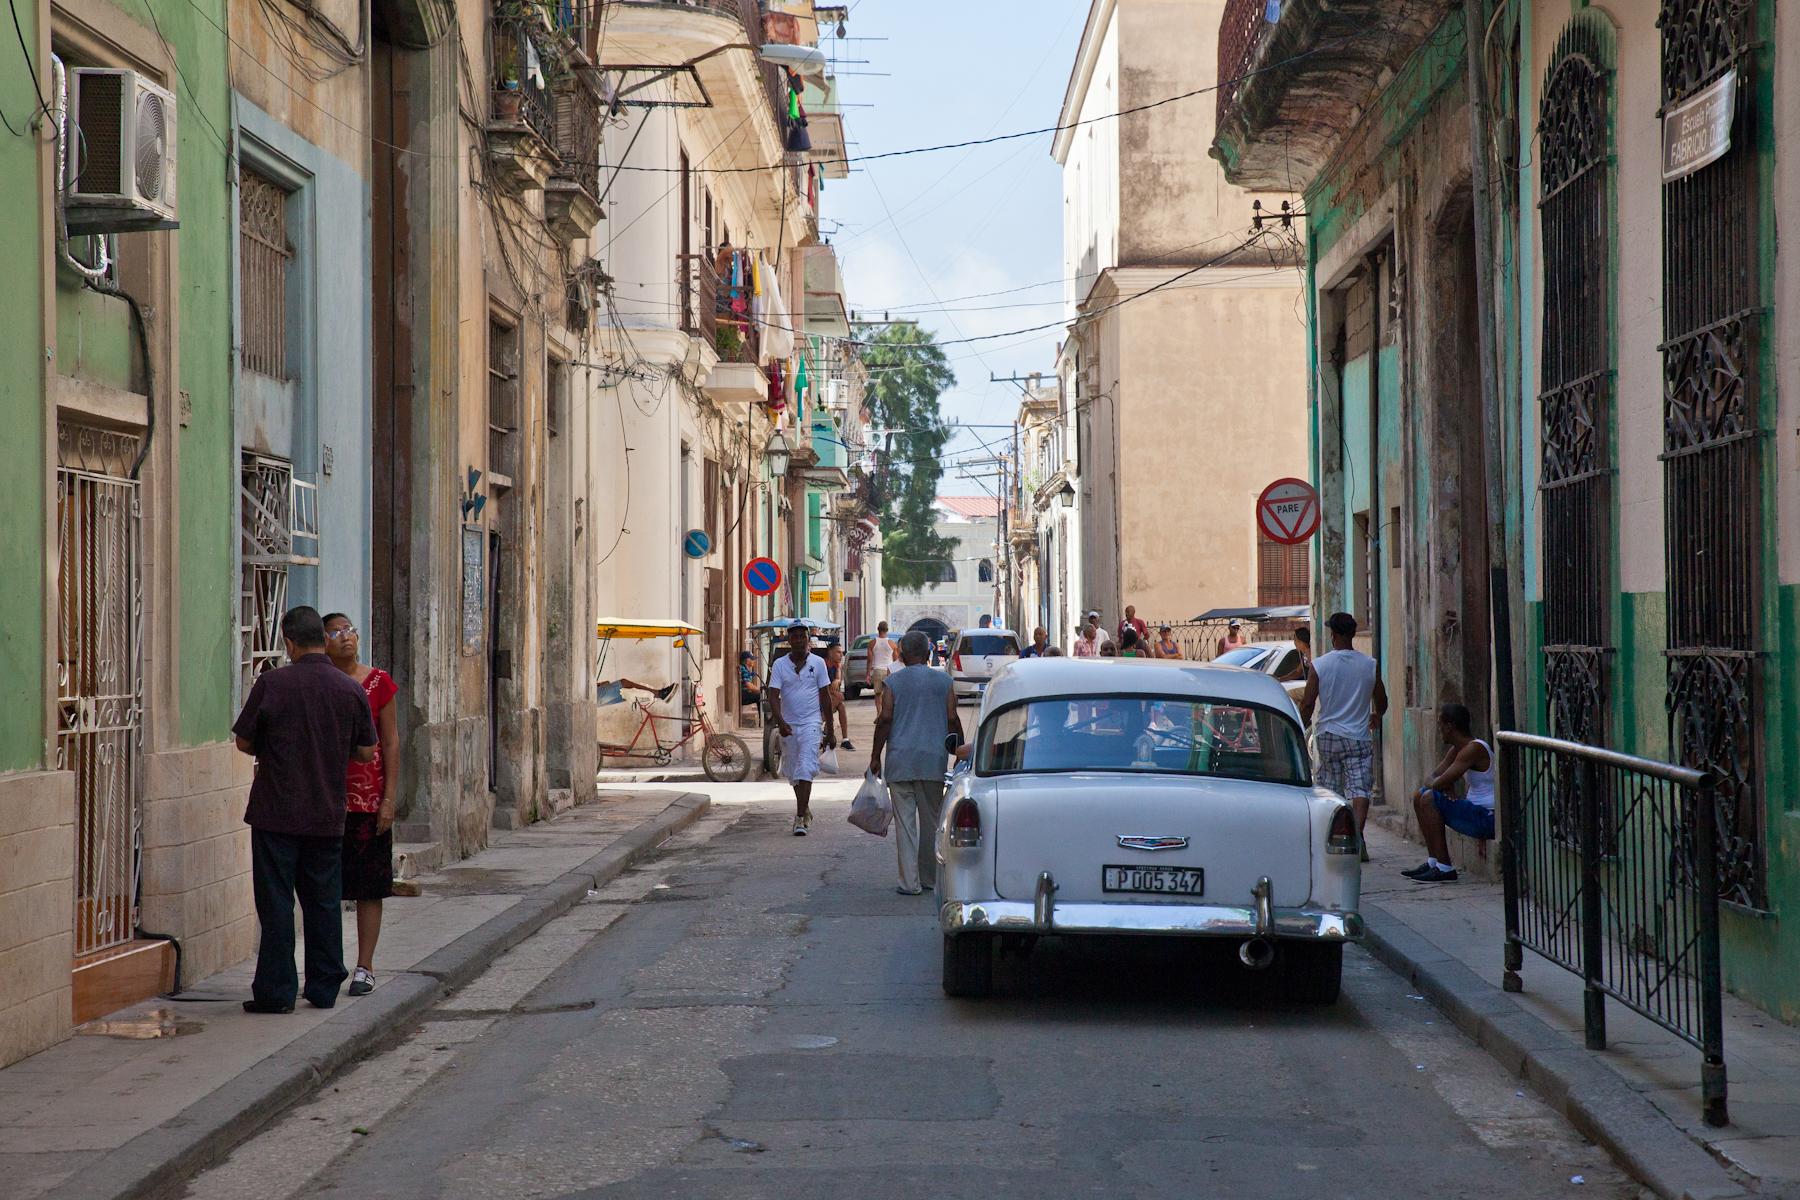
(304, 723)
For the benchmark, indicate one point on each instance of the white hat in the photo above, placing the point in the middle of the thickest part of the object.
(1093, 612)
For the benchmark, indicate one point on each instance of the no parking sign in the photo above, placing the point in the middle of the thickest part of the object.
(762, 576)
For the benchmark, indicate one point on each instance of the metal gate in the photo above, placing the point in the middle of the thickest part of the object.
(99, 672)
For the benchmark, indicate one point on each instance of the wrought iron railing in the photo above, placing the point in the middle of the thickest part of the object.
(1241, 34)
(699, 294)
(749, 14)
(1611, 871)
(521, 79)
(578, 135)
(1202, 641)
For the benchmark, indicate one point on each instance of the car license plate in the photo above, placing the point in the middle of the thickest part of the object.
(1173, 881)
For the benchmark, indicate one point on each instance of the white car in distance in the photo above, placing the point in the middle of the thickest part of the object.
(1130, 796)
(976, 656)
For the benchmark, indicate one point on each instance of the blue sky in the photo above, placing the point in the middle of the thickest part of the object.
(963, 222)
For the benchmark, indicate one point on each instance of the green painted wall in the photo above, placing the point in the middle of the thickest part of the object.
(207, 447)
(22, 452)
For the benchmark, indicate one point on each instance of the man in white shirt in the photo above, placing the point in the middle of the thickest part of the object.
(881, 659)
(1345, 690)
(800, 696)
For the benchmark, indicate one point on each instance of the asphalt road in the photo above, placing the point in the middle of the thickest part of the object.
(757, 1015)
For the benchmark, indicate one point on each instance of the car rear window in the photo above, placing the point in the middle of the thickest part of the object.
(988, 643)
(1152, 734)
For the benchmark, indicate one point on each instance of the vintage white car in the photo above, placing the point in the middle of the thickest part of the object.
(1128, 796)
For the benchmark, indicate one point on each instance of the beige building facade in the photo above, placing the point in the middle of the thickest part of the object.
(1184, 370)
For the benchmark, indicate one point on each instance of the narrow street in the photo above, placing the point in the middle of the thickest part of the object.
(752, 1014)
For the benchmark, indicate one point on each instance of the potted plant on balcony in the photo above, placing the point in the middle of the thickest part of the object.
(729, 342)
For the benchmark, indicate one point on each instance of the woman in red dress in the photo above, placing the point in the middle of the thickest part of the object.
(369, 802)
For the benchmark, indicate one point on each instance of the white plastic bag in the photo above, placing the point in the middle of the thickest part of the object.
(872, 811)
(828, 760)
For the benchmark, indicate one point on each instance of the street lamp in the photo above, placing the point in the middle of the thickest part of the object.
(1066, 494)
(777, 453)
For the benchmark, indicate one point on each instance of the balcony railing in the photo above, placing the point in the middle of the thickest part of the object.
(1241, 34)
(578, 136)
(521, 79)
(574, 19)
(699, 287)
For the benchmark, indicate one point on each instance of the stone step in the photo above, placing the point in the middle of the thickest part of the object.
(422, 858)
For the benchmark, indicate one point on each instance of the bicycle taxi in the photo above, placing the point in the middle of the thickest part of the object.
(723, 756)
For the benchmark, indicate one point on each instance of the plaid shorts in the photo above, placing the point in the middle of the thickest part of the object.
(1346, 765)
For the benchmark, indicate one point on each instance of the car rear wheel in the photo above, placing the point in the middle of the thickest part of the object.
(968, 964)
(1315, 972)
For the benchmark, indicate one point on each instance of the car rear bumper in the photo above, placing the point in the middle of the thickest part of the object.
(1182, 920)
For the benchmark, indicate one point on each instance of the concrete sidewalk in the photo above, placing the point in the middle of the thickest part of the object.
(103, 1116)
(1639, 1096)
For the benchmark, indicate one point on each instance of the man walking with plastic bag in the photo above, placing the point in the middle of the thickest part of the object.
(917, 710)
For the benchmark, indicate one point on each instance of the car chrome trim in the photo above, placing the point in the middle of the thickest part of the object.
(1260, 897)
(1043, 910)
(1192, 920)
(1152, 841)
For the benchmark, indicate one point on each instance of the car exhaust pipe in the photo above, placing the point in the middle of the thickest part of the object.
(1257, 953)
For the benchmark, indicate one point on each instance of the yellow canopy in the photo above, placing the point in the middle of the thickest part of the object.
(633, 629)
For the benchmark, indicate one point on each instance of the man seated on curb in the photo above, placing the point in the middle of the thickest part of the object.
(1468, 758)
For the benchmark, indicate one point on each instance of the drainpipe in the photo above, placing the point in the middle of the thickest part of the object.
(1493, 450)
(1377, 302)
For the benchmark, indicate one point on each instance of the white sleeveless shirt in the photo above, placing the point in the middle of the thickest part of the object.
(1481, 783)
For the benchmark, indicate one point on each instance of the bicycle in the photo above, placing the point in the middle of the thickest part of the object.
(723, 756)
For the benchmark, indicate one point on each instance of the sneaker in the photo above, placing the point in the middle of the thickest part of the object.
(807, 819)
(1436, 875)
(846, 744)
(362, 982)
(266, 1006)
(906, 891)
(799, 827)
(1418, 872)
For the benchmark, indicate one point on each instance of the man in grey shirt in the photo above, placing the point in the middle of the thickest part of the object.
(917, 710)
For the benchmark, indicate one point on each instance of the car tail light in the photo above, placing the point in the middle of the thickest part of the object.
(956, 661)
(965, 824)
(1342, 839)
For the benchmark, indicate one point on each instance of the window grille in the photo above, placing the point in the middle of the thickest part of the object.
(984, 571)
(264, 256)
(1576, 400)
(99, 672)
(1712, 439)
(279, 530)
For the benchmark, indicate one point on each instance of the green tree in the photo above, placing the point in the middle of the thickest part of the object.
(907, 374)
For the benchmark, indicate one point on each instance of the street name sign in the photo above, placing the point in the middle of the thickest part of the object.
(1697, 131)
(762, 576)
(1288, 511)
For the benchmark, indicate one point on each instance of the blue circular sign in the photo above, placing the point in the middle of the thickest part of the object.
(762, 576)
(696, 543)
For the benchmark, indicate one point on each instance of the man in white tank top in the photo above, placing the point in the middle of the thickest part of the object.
(1344, 691)
(1472, 814)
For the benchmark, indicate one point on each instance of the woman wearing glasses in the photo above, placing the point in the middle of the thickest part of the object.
(369, 801)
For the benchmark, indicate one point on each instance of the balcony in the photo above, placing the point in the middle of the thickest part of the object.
(522, 115)
(826, 468)
(737, 375)
(572, 196)
(823, 314)
(1291, 89)
(645, 39)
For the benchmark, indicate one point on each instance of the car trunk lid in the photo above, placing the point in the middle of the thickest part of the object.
(1069, 824)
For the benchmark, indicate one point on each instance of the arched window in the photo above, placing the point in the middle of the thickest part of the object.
(943, 572)
(1575, 399)
(985, 572)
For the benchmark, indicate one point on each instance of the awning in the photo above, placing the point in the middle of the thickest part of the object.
(1263, 612)
(634, 629)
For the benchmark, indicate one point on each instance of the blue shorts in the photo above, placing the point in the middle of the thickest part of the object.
(1467, 818)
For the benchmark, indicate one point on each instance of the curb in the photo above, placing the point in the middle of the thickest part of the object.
(159, 1160)
(1573, 1080)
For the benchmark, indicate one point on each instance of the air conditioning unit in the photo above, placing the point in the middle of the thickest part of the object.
(837, 395)
(121, 153)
